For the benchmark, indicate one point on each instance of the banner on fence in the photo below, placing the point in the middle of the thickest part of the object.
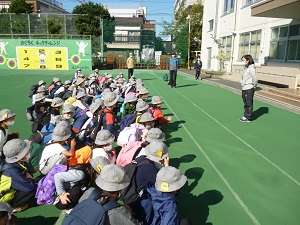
(45, 54)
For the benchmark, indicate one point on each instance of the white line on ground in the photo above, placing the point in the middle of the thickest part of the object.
(234, 193)
(61, 217)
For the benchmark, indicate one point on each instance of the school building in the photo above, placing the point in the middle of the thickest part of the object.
(269, 30)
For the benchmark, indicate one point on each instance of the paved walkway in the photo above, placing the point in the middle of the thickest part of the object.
(231, 83)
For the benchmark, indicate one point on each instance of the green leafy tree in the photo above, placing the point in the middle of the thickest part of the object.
(159, 45)
(55, 23)
(20, 6)
(88, 23)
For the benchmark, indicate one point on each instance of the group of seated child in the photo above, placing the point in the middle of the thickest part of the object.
(93, 138)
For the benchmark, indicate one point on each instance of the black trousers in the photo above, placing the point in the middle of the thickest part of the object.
(21, 198)
(173, 76)
(197, 74)
(130, 73)
(247, 96)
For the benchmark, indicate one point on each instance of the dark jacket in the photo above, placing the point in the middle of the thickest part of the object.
(19, 180)
(198, 65)
(145, 174)
(164, 206)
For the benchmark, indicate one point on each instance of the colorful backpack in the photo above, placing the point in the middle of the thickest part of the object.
(127, 153)
(132, 133)
(45, 193)
(6, 192)
(81, 156)
(80, 117)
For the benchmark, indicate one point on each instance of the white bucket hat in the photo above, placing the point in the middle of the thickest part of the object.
(68, 108)
(98, 163)
(41, 82)
(95, 106)
(141, 106)
(61, 133)
(6, 114)
(169, 179)
(104, 137)
(131, 97)
(112, 178)
(15, 149)
(110, 98)
(155, 134)
(41, 89)
(156, 100)
(81, 94)
(39, 97)
(80, 80)
(156, 151)
(143, 91)
(5, 207)
(146, 117)
(57, 102)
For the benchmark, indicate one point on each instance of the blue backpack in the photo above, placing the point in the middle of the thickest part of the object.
(80, 117)
(45, 193)
(89, 212)
(127, 121)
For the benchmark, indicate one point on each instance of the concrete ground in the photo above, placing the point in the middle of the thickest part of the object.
(233, 84)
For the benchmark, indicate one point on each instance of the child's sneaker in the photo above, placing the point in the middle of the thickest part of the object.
(244, 119)
(20, 208)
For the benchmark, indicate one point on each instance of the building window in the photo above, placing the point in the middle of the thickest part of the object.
(210, 25)
(228, 6)
(225, 46)
(285, 43)
(249, 2)
(250, 44)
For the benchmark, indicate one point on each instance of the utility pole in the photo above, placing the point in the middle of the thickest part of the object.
(189, 41)
(102, 46)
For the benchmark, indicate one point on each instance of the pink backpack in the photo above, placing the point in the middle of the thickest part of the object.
(128, 152)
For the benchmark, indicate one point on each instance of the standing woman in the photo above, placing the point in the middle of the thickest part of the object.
(173, 65)
(130, 65)
(248, 82)
(198, 67)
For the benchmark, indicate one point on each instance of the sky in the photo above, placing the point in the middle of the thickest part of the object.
(156, 9)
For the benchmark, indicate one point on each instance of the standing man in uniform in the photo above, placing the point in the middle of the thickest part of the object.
(173, 65)
(130, 65)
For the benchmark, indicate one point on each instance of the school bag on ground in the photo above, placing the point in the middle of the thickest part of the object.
(90, 212)
(165, 77)
(6, 192)
(127, 121)
(45, 193)
(129, 193)
(127, 153)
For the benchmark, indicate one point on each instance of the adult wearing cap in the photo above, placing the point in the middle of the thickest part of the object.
(112, 181)
(130, 65)
(173, 65)
(6, 216)
(7, 119)
(54, 153)
(110, 102)
(169, 182)
(16, 151)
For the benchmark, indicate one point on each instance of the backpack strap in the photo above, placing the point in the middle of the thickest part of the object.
(3, 130)
(110, 205)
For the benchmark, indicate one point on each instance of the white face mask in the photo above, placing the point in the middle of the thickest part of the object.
(10, 123)
(148, 127)
(107, 148)
(173, 56)
(131, 56)
(93, 86)
(44, 86)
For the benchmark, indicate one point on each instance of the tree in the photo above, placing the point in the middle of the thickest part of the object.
(88, 23)
(159, 45)
(20, 6)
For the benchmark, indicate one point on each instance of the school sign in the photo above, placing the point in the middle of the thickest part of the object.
(45, 54)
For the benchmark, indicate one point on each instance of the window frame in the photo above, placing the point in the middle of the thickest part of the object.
(211, 25)
(248, 43)
(228, 7)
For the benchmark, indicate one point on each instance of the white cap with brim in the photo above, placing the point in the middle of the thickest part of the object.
(112, 178)
(146, 117)
(156, 151)
(104, 137)
(61, 133)
(169, 179)
(15, 149)
(110, 99)
(98, 163)
(6, 114)
(155, 134)
(5, 207)
(141, 106)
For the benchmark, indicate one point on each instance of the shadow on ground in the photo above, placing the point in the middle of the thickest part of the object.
(196, 208)
(259, 112)
(186, 85)
(37, 220)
